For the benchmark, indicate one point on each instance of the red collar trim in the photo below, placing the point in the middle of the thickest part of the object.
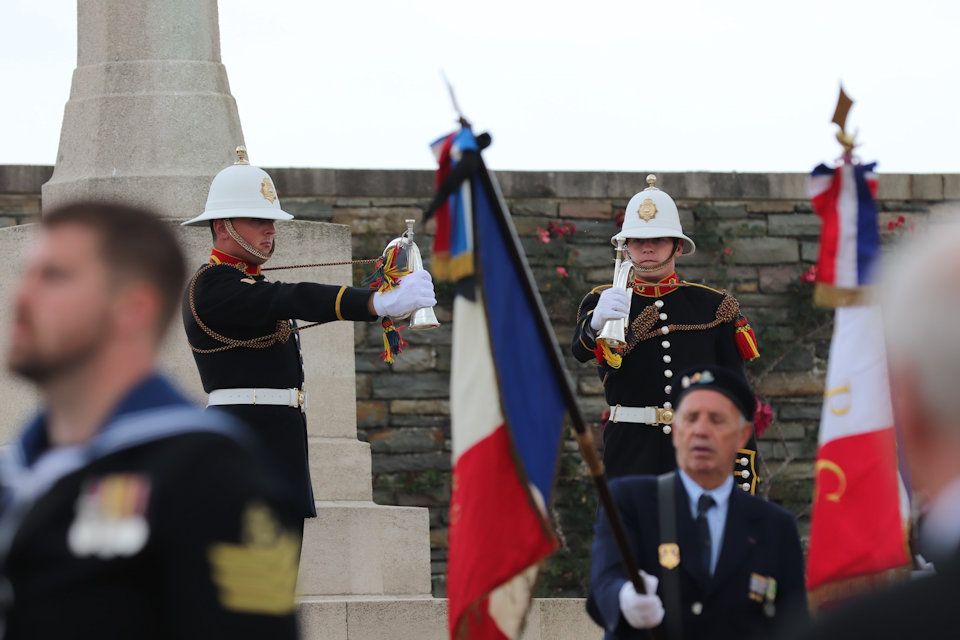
(655, 290)
(219, 257)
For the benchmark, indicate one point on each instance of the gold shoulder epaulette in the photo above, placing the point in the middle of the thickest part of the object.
(600, 288)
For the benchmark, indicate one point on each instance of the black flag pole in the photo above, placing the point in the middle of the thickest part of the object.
(471, 163)
(585, 441)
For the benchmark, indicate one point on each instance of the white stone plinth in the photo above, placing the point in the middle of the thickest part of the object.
(364, 548)
(426, 619)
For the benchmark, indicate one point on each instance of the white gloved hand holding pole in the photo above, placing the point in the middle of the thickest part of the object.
(641, 611)
(413, 291)
(614, 303)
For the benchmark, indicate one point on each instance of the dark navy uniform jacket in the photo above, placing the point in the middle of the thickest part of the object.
(154, 529)
(759, 538)
(243, 305)
(702, 327)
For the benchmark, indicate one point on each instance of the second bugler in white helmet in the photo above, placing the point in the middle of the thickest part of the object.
(653, 214)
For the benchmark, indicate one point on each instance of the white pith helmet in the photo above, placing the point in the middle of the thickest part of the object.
(653, 214)
(241, 191)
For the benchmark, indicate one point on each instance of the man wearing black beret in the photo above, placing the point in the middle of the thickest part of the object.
(716, 562)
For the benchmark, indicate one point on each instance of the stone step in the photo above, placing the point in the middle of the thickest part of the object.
(340, 469)
(425, 618)
(362, 548)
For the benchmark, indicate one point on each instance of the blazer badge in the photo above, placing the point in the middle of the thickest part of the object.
(669, 554)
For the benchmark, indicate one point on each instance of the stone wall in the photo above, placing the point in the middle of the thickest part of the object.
(756, 236)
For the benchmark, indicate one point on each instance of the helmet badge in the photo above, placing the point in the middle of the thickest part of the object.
(266, 188)
(648, 210)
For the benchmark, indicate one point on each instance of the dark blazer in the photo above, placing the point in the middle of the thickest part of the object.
(759, 538)
(645, 373)
(921, 608)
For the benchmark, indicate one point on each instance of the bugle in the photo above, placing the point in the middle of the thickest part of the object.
(614, 331)
(423, 318)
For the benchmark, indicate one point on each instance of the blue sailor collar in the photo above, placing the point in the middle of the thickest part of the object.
(154, 391)
(153, 410)
(132, 421)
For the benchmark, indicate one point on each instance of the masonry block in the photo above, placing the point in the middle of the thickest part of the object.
(764, 250)
(793, 224)
(359, 548)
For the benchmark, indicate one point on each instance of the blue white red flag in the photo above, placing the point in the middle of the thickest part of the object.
(860, 514)
(507, 400)
(844, 198)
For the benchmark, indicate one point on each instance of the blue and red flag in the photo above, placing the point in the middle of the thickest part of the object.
(508, 396)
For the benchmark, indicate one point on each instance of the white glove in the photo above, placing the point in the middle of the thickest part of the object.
(413, 291)
(641, 611)
(614, 303)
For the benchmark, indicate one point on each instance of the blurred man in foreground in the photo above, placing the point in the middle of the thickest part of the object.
(126, 512)
(921, 304)
(716, 561)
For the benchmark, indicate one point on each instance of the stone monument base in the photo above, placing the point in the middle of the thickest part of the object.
(365, 618)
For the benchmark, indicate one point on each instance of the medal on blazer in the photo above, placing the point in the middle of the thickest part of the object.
(764, 589)
(669, 554)
(111, 517)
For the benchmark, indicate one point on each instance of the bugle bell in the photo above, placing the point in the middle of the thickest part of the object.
(423, 318)
(614, 331)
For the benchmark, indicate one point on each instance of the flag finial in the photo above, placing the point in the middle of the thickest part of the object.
(456, 106)
(840, 119)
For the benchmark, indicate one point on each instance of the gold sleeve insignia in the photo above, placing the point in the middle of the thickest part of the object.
(259, 575)
(248, 280)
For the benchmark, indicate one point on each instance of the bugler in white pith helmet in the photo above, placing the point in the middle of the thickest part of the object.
(653, 214)
(241, 191)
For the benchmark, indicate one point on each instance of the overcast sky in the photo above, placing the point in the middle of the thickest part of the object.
(603, 85)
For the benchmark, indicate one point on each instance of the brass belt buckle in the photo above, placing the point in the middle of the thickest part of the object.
(301, 398)
(664, 416)
(613, 416)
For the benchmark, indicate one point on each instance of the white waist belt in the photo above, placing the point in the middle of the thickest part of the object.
(641, 415)
(277, 397)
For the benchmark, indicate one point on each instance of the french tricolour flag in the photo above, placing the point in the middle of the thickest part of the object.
(507, 402)
(858, 528)
(844, 198)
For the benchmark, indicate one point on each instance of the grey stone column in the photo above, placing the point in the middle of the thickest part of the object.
(150, 119)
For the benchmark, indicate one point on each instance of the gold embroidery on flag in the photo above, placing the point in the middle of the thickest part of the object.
(830, 465)
(830, 393)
